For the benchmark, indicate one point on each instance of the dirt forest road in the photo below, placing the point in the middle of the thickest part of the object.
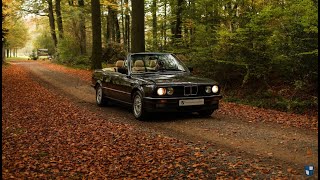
(252, 136)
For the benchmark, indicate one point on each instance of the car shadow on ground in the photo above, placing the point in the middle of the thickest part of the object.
(173, 116)
(161, 116)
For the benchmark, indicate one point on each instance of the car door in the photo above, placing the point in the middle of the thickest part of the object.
(122, 86)
(105, 78)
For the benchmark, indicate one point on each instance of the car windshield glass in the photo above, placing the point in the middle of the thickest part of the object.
(142, 63)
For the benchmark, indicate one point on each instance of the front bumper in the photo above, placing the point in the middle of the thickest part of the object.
(172, 104)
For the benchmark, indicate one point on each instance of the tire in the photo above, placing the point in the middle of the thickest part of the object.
(137, 106)
(100, 99)
(206, 113)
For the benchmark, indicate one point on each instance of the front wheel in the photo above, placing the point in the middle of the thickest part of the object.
(137, 106)
(206, 113)
(100, 99)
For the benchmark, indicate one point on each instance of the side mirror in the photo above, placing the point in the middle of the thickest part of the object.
(190, 69)
(122, 70)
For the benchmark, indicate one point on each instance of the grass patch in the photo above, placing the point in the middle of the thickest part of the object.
(87, 67)
(80, 66)
(16, 58)
(84, 66)
(73, 66)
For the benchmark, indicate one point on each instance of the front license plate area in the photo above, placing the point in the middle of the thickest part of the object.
(191, 102)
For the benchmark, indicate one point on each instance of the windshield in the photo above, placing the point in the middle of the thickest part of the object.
(142, 63)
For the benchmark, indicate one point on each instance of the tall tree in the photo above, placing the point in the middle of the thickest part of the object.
(3, 50)
(154, 24)
(137, 27)
(127, 25)
(59, 19)
(178, 29)
(164, 29)
(82, 28)
(122, 23)
(51, 22)
(113, 28)
(117, 31)
(96, 35)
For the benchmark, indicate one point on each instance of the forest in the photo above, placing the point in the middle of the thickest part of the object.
(262, 52)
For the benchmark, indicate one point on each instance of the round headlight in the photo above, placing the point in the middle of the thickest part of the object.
(208, 89)
(161, 91)
(215, 89)
(170, 91)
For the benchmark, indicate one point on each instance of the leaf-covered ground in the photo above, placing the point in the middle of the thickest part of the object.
(46, 136)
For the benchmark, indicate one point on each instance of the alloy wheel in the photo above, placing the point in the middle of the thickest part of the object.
(137, 105)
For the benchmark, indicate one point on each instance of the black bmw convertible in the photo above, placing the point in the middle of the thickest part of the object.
(155, 82)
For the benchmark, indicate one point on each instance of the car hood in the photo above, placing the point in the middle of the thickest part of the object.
(176, 79)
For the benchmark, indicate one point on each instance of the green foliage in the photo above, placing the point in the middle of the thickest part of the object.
(33, 55)
(81, 62)
(269, 99)
(229, 75)
(112, 53)
(272, 45)
(17, 36)
(44, 41)
(68, 52)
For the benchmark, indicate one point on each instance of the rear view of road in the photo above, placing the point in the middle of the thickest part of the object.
(279, 148)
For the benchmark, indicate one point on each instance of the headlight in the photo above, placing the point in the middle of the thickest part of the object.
(208, 89)
(215, 89)
(161, 91)
(170, 91)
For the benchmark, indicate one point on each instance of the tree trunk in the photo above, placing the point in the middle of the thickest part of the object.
(178, 31)
(154, 24)
(3, 51)
(110, 26)
(117, 30)
(127, 25)
(82, 29)
(113, 28)
(52, 25)
(96, 35)
(137, 27)
(123, 27)
(165, 23)
(193, 17)
(59, 19)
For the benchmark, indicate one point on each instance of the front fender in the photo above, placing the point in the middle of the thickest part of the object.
(100, 77)
(137, 88)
